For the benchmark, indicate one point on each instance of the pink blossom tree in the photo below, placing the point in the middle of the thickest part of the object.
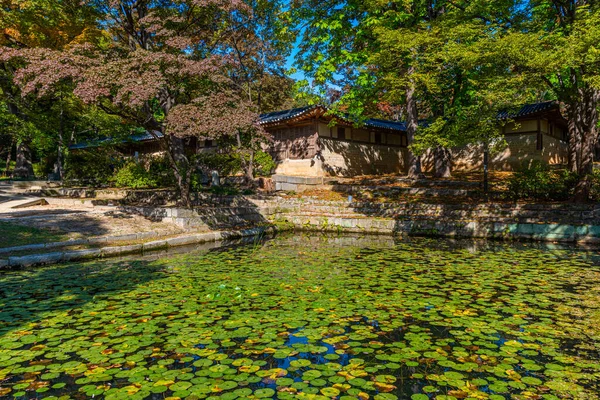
(164, 66)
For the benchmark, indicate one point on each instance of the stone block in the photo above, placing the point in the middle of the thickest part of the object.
(35, 259)
(81, 254)
(581, 230)
(97, 240)
(3, 264)
(523, 230)
(207, 237)
(553, 231)
(288, 187)
(182, 240)
(22, 248)
(294, 179)
(116, 250)
(157, 244)
(122, 238)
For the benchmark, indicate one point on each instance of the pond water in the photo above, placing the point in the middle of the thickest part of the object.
(308, 317)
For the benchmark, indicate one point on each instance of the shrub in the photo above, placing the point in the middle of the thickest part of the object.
(264, 163)
(134, 175)
(595, 190)
(540, 182)
(94, 168)
(160, 169)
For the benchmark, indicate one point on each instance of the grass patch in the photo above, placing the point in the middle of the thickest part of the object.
(17, 235)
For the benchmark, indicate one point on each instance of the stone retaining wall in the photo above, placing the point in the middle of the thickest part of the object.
(111, 251)
(545, 222)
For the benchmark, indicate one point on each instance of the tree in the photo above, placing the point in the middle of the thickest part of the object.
(53, 24)
(556, 46)
(165, 70)
(260, 46)
(391, 54)
(428, 59)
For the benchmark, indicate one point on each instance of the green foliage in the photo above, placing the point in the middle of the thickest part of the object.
(93, 168)
(133, 175)
(594, 177)
(540, 182)
(264, 164)
(104, 166)
(147, 173)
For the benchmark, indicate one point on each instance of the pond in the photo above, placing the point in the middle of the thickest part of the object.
(308, 317)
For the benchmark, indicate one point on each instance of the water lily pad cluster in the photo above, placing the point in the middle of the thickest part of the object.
(308, 317)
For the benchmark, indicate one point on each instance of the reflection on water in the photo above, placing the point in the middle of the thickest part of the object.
(308, 317)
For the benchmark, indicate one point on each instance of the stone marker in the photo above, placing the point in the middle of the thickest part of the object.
(216, 181)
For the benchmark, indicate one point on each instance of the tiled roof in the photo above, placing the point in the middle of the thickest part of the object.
(138, 137)
(529, 109)
(386, 124)
(287, 115)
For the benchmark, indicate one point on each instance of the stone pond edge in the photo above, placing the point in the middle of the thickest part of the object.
(282, 221)
(113, 251)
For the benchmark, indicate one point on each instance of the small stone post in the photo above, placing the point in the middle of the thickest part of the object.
(216, 181)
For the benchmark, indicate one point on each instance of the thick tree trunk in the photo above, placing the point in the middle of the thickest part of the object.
(412, 124)
(247, 165)
(23, 167)
(250, 169)
(182, 170)
(574, 143)
(442, 162)
(583, 136)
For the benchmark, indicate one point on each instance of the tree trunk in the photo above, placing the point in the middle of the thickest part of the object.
(250, 169)
(23, 167)
(180, 166)
(60, 147)
(9, 158)
(247, 165)
(486, 168)
(574, 138)
(585, 127)
(412, 124)
(442, 162)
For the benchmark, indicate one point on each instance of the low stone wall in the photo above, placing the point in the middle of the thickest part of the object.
(112, 251)
(290, 183)
(544, 222)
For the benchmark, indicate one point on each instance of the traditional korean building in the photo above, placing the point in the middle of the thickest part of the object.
(306, 142)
